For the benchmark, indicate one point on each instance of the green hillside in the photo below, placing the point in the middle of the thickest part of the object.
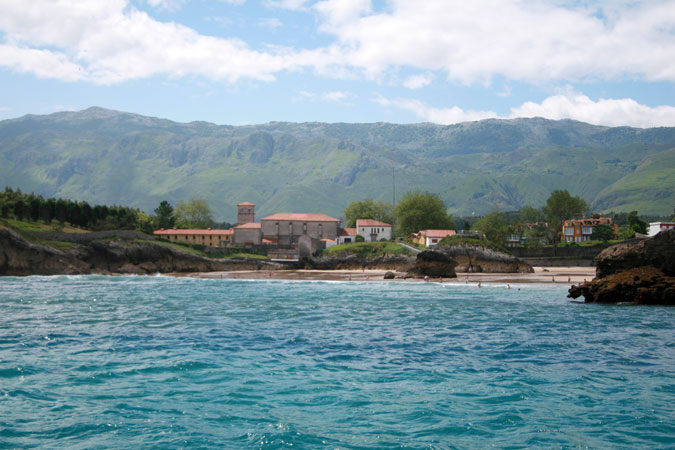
(109, 157)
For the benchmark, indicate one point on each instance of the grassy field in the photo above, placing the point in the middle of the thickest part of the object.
(367, 249)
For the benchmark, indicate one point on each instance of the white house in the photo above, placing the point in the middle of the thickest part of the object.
(373, 230)
(656, 227)
(431, 238)
(346, 236)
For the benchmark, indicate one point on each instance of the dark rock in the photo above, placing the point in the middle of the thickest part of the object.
(475, 259)
(389, 275)
(433, 264)
(639, 271)
(658, 251)
(353, 262)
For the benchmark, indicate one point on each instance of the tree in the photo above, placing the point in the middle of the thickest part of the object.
(602, 232)
(19, 207)
(421, 211)
(494, 226)
(165, 218)
(562, 206)
(193, 214)
(635, 223)
(530, 214)
(367, 209)
(145, 223)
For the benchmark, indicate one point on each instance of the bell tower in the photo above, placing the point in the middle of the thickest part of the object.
(245, 213)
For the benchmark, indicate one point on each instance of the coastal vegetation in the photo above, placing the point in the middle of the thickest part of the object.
(367, 249)
(421, 211)
(367, 209)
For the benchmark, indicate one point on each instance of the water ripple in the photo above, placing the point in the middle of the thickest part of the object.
(160, 362)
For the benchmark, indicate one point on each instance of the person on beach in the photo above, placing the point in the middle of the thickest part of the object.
(426, 278)
(508, 286)
(479, 284)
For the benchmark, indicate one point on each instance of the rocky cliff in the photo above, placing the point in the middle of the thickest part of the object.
(117, 252)
(639, 271)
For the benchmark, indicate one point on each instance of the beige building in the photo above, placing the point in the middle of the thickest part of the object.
(208, 237)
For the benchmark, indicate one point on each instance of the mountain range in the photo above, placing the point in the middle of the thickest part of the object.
(110, 157)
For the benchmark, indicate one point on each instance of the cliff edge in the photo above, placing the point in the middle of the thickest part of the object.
(115, 252)
(639, 271)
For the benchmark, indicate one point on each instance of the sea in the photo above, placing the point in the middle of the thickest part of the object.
(143, 362)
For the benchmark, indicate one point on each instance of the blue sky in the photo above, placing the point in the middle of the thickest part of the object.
(610, 62)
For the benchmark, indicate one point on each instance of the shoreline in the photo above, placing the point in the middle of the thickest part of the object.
(571, 275)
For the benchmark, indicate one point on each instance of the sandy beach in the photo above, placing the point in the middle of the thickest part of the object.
(557, 275)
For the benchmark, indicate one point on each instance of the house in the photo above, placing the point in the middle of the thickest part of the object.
(287, 228)
(346, 236)
(657, 227)
(431, 238)
(373, 230)
(248, 234)
(208, 237)
(519, 236)
(581, 230)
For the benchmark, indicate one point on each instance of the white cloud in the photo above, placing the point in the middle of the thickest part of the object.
(417, 81)
(271, 22)
(610, 112)
(437, 115)
(528, 41)
(567, 105)
(42, 63)
(330, 96)
(470, 42)
(110, 42)
(335, 96)
(292, 5)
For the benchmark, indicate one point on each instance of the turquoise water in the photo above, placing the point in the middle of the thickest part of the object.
(158, 362)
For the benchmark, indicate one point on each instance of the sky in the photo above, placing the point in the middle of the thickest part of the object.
(240, 62)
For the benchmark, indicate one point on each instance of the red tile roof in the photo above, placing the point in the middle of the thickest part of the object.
(301, 217)
(248, 226)
(437, 233)
(589, 222)
(207, 232)
(348, 232)
(245, 204)
(370, 223)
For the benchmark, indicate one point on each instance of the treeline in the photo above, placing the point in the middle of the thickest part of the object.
(15, 204)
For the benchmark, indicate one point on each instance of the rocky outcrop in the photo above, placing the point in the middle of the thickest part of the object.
(353, 262)
(114, 254)
(20, 257)
(433, 264)
(639, 271)
(481, 259)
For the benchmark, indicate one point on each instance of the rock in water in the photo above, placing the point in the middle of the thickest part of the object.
(434, 264)
(639, 271)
